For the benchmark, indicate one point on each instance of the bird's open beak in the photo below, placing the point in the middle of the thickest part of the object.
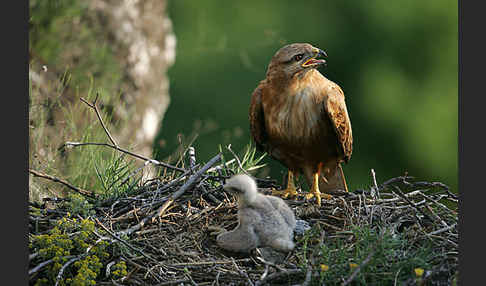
(314, 61)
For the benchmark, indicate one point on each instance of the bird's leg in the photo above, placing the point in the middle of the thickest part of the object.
(314, 191)
(291, 190)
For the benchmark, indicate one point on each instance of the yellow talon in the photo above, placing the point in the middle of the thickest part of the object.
(314, 191)
(291, 190)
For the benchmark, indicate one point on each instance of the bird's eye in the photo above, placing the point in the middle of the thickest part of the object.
(298, 57)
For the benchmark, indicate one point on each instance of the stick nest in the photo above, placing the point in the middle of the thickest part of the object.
(165, 225)
(161, 230)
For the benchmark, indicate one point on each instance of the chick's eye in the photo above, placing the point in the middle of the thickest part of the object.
(298, 57)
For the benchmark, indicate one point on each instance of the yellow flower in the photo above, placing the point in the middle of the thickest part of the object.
(324, 267)
(353, 265)
(419, 272)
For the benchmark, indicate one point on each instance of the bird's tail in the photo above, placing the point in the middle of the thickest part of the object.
(335, 182)
(282, 244)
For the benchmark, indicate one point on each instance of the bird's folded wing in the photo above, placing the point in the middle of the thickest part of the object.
(283, 209)
(336, 111)
(257, 121)
(243, 238)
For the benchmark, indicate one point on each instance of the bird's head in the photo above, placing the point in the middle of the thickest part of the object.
(294, 59)
(243, 186)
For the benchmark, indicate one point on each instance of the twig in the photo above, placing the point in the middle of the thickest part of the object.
(436, 201)
(208, 263)
(242, 272)
(443, 238)
(373, 175)
(190, 279)
(308, 276)
(366, 260)
(357, 270)
(402, 195)
(55, 179)
(208, 194)
(394, 180)
(396, 277)
(33, 255)
(38, 267)
(426, 185)
(442, 230)
(124, 242)
(265, 273)
(278, 275)
(217, 278)
(47, 262)
(192, 180)
(61, 271)
(374, 190)
(187, 185)
(108, 268)
(192, 157)
(141, 157)
(221, 166)
(237, 160)
(137, 226)
(267, 263)
(93, 105)
(436, 216)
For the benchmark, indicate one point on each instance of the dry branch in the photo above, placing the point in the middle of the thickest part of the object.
(189, 184)
(141, 157)
(278, 275)
(65, 183)
(124, 242)
(95, 107)
(61, 271)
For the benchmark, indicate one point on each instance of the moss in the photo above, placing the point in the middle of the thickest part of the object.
(119, 270)
(71, 237)
(88, 270)
(78, 204)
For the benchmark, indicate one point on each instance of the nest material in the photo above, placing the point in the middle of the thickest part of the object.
(167, 229)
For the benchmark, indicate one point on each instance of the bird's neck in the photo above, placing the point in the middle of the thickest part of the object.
(297, 81)
(247, 199)
(312, 78)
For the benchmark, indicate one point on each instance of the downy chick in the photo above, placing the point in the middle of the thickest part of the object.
(263, 221)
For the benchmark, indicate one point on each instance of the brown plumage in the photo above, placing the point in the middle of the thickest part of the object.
(299, 117)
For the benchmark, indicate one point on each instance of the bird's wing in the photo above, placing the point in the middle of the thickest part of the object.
(284, 210)
(243, 238)
(257, 121)
(335, 107)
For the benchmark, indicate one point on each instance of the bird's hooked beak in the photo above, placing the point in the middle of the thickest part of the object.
(313, 60)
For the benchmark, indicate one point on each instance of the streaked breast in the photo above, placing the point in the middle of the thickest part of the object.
(299, 116)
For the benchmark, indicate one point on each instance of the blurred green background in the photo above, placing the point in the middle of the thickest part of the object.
(397, 62)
